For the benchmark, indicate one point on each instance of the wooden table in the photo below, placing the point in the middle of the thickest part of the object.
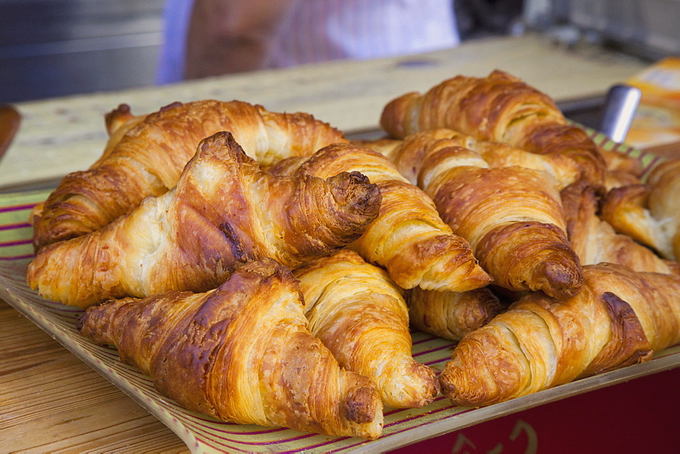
(49, 401)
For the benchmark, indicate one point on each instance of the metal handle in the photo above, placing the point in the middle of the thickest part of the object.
(619, 109)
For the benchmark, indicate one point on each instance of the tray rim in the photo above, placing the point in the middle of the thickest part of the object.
(406, 437)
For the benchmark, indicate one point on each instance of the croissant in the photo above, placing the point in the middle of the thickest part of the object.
(562, 169)
(622, 170)
(360, 315)
(620, 162)
(649, 213)
(146, 154)
(118, 122)
(512, 216)
(224, 210)
(595, 241)
(240, 353)
(499, 108)
(452, 315)
(408, 237)
(617, 319)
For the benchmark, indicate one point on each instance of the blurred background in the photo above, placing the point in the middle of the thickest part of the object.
(52, 48)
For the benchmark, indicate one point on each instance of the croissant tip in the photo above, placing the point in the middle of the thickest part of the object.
(564, 280)
(117, 117)
(447, 388)
(354, 190)
(362, 405)
(82, 320)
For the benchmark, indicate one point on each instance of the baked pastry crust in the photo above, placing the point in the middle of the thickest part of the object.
(145, 156)
(224, 210)
(512, 216)
(452, 315)
(499, 108)
(360, 315)
(240, 353)
(618, 318)
(408, 237)
(649, 213)
(595, 241)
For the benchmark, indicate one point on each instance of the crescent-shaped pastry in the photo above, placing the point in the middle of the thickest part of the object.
(595, 241)
(240, 353)
(618, 318)
(145, 156)
(649, 213)
(408, 237)
(499, 108)
(512, 216)
(225, 210)
(452, 315)
(360, 315)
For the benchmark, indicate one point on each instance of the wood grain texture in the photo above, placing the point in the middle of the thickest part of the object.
(50, 401)
(349, 95)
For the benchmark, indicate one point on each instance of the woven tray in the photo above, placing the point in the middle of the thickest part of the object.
(203, 434)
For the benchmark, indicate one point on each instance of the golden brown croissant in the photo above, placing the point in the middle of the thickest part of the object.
(360, 315)
(118, 122)
(145, 156)
(620, 162)
(622, 170)
(649, 213)
(617, 319)
(224, 210)
(561, 168)
(499, 108)
(408, 237)
(595, 241)
(240, 353)
(512, 216)
(452, 315)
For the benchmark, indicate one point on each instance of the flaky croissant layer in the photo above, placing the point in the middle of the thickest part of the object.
(499, 108)
(146, 154)
(408, 237)
(595, 241)
(240, 353)
(225, 210)
(452, 315)
(360, 315)
(511, 216)
(618, 318)
(649, 213)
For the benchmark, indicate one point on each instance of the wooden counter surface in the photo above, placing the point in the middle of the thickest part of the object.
(49, 400)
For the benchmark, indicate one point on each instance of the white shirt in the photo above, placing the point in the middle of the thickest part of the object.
(321, 30)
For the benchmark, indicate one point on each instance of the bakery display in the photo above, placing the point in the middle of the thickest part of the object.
(261, 269)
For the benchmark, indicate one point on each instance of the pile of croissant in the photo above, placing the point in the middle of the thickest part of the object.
(263, 269)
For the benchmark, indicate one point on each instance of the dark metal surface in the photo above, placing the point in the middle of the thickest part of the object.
(53, 48)
(619, 110)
